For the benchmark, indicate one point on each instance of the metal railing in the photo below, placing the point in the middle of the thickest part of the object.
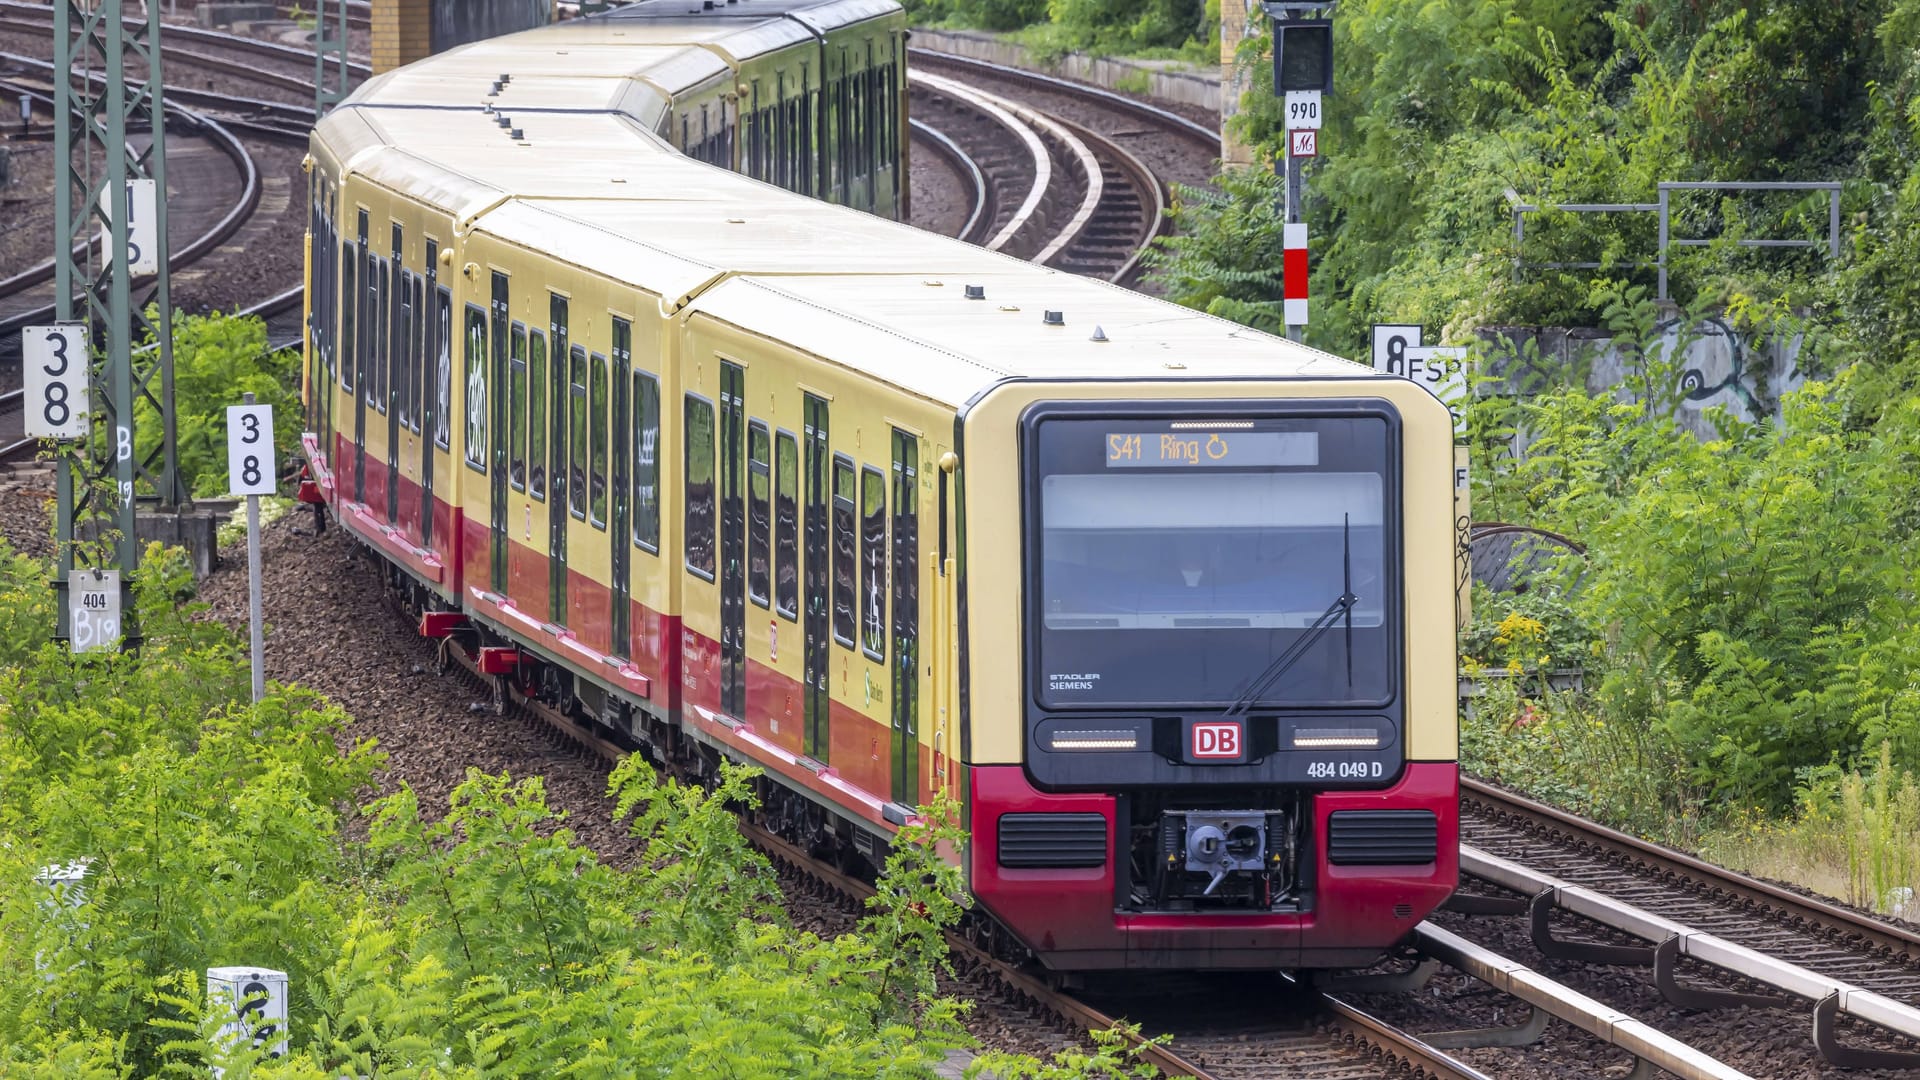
(1664, 209)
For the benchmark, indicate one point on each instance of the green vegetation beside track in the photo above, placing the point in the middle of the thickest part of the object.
(1744, 619)
(466, 941)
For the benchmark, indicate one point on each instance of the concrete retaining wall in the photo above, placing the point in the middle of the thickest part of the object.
(1163, 79)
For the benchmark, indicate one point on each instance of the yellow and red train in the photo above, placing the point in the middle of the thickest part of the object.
(732, 470)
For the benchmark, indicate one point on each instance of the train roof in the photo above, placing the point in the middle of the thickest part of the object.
(594, 187)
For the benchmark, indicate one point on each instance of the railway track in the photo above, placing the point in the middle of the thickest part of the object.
(201, 220)
(1044, 188)
(1713, 940)
(1290, 1032)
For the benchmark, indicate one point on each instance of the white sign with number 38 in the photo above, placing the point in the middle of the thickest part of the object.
(250, 450)
(54, 377)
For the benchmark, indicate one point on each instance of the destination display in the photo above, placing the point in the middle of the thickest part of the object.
(1191, 449)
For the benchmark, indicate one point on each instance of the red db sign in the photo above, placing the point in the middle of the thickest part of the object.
(1216, 740)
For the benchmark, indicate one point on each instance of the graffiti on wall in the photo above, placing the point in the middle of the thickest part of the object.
(1713, 364)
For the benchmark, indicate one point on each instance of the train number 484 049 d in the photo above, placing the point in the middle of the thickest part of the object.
(1345, 770)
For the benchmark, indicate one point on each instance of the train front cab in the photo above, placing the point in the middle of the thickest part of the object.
(1132, 800)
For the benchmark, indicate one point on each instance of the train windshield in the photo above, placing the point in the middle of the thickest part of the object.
(1178, 561)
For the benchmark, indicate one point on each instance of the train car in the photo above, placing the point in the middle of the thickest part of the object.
(1167, 603)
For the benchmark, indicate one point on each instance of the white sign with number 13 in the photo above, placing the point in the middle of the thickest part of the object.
(250, 469)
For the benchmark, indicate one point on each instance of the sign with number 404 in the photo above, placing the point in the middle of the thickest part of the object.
(93, 609)
(250, 468)
(54, 379)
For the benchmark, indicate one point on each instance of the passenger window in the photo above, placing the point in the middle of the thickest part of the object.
(375, 335)
(786, 525)
(443, 370)
(417, 358)
(577, 433)
(598, 410)
(873, 578)
(477, 387)
(347, 312)
(699, 452)
(537, 415)
(759, 498)
(517, 409)
(646, 462)
(844, 554)
(402, 333)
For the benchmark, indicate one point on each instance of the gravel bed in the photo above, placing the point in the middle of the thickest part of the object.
(26, 509)
(372, 663)
(26, 202)
(262, 258)
(1767, 1043)
(328, 629)
(940, 201)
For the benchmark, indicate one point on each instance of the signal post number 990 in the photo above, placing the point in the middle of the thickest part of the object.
(250, 468)
(54, 377)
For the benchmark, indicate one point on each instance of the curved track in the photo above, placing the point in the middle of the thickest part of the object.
(30, 298)
(1042, 187)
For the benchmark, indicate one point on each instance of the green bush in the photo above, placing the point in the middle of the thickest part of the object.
(216, 359)
(481, 941)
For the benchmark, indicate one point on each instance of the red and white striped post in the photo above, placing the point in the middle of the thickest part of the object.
(1294, 277)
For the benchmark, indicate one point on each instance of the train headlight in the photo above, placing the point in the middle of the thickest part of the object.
(1093, 739)
(1336, 739)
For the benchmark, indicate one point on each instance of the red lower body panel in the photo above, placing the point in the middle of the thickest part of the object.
(1069, 916)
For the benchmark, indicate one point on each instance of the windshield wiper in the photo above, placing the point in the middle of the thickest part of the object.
(1343, 605)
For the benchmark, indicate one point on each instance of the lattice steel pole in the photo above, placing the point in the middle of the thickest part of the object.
(329, 49)
(96, 108)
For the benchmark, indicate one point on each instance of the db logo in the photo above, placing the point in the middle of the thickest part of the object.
(1216, 740)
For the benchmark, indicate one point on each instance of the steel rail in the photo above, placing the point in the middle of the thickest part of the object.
(1404, 1045)
(1607, 1024)
(1153, 114)
(221, 230)
(1029, 140)
(1895, 940)
(1152, 194)
(1347, 1018)
(41, 273)
(217, 38)
(963, 164)
(198, 59)
(1082, 157)
(780, 849)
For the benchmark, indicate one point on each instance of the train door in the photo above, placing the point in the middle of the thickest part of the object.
(344, 352)
(363, 360)
(817, 578)
(497, 423)
(619, 528)
(557, 478)
(437, 359)
(906, 620)
(393, 279)
(733, 543)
